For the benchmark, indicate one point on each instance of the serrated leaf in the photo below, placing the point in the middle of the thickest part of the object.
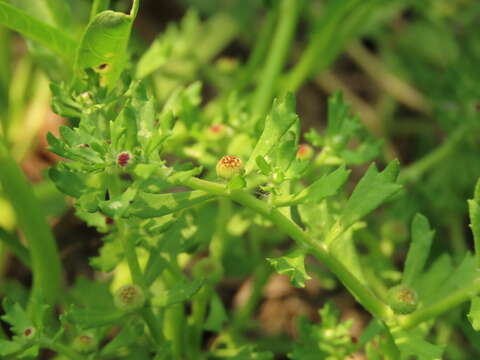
(16, 317)
(281, 118)
(422, 236)
(104, 44)
(292, 265)
(371, 191)
(146, 205)
(474, 313)
(326, 186)
(178, 293)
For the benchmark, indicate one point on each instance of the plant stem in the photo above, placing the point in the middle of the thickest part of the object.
(288, 16)
(364, 295)
(30, 216)
(414, 172)
(432, 311)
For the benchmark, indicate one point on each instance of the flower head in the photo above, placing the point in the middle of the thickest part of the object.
(229, 166)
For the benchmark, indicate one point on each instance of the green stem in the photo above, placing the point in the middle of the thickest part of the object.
(130, 253)
(199, 310)
(432, 311)
(16, 247)
(289, 12)
(31, 219)
(414, 172)
(258, 53)
(364, 295)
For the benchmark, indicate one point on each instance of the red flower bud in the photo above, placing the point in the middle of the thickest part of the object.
(123, 158)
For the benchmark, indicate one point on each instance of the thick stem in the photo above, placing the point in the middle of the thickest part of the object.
(432, 311)
(289, 11)
(364, 295)
(31, 219)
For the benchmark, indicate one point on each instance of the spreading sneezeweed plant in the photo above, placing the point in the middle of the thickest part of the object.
(187, 194)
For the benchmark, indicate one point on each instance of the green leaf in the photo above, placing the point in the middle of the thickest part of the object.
(292, 265)
(474, 313)
(32, 28)
(326, 186)
(237, 182)
(178, 293)
(146, 205)
(281, 118)
(104, 44)
(217, 315)
(61, 13)
(422, 236)
(89, 318)
(371, 191)
(66, 181)
(16, 317)
(10, 347)
(127, 336)
(474, 210)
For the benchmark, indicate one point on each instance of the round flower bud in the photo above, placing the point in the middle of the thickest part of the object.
(85, 343)
(123, 158)
(208, 269)
(129, 298)
(29, 333)
(402, 299)
(216, 132)
(229, 166)
(304, 152)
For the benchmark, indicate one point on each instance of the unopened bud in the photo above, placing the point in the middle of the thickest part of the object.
(208, 269)
(85, 343)
(29, 333)
(123, 158)
(304, 152)
(229, 166)
(129, 298)
(402, 299)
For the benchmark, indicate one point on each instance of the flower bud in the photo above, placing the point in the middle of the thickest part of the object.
(123, 158)
(229, 166)
(304, 152)
(29, 333)
(129, 298)
(85, 343)
(208, 269)
(402, 299)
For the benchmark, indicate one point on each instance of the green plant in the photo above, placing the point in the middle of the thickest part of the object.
(187, 193)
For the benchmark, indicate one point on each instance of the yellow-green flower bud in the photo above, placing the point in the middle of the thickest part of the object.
(85, 343)
(208, 269)
(129, 298)
(304, 152)
(229, 166)
(402, 299)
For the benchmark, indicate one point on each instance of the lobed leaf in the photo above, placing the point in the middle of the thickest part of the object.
(292, 265)
(281, 118)
(422, 236)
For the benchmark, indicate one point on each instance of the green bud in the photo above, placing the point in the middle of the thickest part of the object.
(304, 152)
(129, 298)
(402, 299)
(208, 269)
(229, 166)
(29, 333)
(85, 343)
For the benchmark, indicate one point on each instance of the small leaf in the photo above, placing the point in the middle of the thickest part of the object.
(411, 344)
(217, 315)
(281, 118)
(292, 265)
(422, 236)
(178, 293)
(326, 186)
(262, 164)
(474, 210)
(10, 347)
(16, 317)
(89, 318)
(146, 205)
(371, 191)
(237, 182)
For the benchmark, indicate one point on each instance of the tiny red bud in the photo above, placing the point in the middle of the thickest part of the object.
(229, 166)
(29, 333)
(123, 159)
(217, 128)
(304, 152)
(109, 220)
